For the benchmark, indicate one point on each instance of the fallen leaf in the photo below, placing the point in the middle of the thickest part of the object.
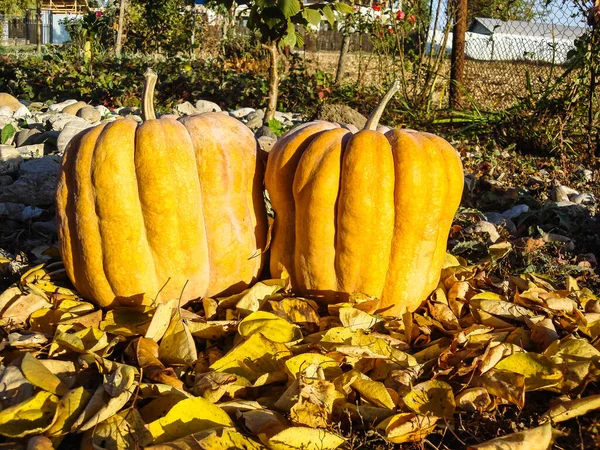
(407, 427)
(40, 376)
(539, 438)
(187, 417)
(270, 326)
(431, 397)
(310, 364)
(223, 439)
(538, 370)
(177, 346)
(122, 431)
(302, 438)
(355, 319)
(33, 416)
(161, 318)
(567, 410)
(70, 406)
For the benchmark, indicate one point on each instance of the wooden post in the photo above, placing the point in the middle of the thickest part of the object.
(119, 43)
(39, 26)
(457, 69)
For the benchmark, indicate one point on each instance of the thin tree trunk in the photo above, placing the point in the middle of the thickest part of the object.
(342, 61)
(193, 37)
(119, 43)
(457, 69)
(39, 27)
(273, 81)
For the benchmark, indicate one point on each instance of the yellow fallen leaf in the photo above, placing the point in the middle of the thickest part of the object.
(539, 438)
(146, 352)
(89, 340)
(355, 319)
(127, 321)
(509, 386)
(252, 299)
(33, 416)
(474, 399)
(40, 376)
(504, 309)
(189, 416)
(253, 357)
(432, 397)
(374, 392)
(270, 326)
(303, 438)
(297, 310)
(223, 439)
(211, 330)
(316, 402)
(407, 427)
(161, 318)
(574, 408)
(177, 346)
(122, 431)
(538, 370)
(16, 307)
(39, 443)
(310, 364)
(71, 405)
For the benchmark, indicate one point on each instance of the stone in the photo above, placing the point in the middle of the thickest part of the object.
(69, 132)
(9, 101)
(265, 131)
(89, 113)
(586, 174)
(515, 211)
(342, 114)
(283, 116)
(31, 212)
(128, 110)
(30, 189)
(536, 182)
(6, 180)
(562, 193)
(48, 227)
(31, 151)
(136, 117)
(58, 107)
(58, 122)
(494, 217)
(255, 123)
(242, 112)
(259, 113)
(10, 159)
(26, 136)
(36, 106)
(583, 199)
(74, 108)
(104, 111)
(484, 227)
(185, 109)
(4, 120)
(6, 111)
(203, 106)
(266, 143)
(48, 165)
(21, 113)
(47, 137)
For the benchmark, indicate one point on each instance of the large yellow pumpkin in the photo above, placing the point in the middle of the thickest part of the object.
(366, 212)
(161, 210)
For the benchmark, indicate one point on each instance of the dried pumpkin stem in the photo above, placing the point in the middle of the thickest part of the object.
(148, 96)
(376, 114)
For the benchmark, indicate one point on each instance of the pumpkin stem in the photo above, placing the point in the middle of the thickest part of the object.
(377, 112)
(148, 96)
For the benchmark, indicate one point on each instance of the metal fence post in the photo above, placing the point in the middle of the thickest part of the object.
(457, 68)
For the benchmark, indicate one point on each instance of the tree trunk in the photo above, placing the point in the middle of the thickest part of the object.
(119, 43)
(39, 27)
(273, 81)
(193, 37)
(341, 66)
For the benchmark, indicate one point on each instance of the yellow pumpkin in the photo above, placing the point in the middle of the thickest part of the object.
(163, 209)
(366, 212)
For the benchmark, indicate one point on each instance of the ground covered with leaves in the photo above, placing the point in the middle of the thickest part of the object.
(514, 358)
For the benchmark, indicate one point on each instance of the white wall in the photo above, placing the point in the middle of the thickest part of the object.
(59, 34)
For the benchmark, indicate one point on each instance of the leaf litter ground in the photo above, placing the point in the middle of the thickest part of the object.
(514, 358)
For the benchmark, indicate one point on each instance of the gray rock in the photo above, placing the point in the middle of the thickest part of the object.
(26, 136)
(203, 106)
(21, 113)
(136, 117)
(494, 217)
(562, 193)
(58, 107)
(69, 131)
(89, 113)
(342, 114)
(283, 116)
(11, 210)
(6, 111)
(30, 189)
(36, 106)
(104, 111)
(255, 123)
(58, 122)
(484, 227)
(31, 212)
(74, 108)
(259, 113)
(10, 159)
(4, 120)
(565, 204)
(242, 112)
(47, 137)
(515, 211)
(128, 110)
(48, 227)
(31, 151)
(48, 165)
(583, 199)
(5, 180)
(266, 143)
(185, 109)
(265, 131)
